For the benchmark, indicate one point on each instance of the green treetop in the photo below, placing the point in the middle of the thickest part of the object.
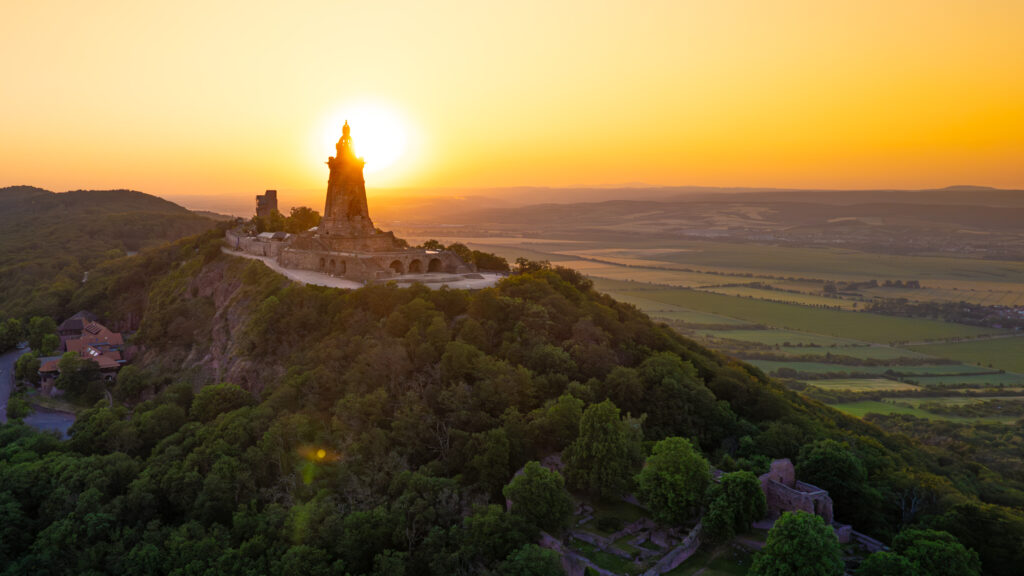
(800, 544)
(673, 480)
(539, 496)
(604, 457)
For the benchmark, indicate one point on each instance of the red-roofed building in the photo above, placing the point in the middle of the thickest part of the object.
(83, 335)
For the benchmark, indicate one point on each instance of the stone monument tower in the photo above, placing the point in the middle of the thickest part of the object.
(346, 213)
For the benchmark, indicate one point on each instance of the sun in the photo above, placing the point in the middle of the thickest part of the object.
(378, 135)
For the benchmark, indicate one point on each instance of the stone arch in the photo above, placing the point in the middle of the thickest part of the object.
(331, 266)
(323, 263)
(397, 266)
(342, 267)
(415, 267)
(435, 265)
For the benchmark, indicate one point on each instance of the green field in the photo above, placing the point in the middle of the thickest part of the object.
(1007, 379)
(828, 263)
(895, 406)
(843, 324)
(1005, 353)
(780, 296)
(779, 337)
(953, 400)
(861, 384)
(863, 352)
(769, 366)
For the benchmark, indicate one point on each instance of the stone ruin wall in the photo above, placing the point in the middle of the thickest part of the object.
(784, 493)
(254, 245)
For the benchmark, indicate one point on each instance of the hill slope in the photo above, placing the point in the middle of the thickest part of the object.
(48, 241)
(360, 429)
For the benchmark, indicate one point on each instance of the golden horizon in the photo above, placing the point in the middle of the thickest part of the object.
(194, 99)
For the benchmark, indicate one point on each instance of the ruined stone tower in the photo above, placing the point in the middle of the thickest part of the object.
(346, 213)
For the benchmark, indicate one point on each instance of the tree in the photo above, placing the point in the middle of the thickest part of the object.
(885, 563)
(735, 502)
(432, 245)
(76, 374)
(302, 218)
(673, 480)
(604, 457)
(49, 344)
(26, 367)
(799, 544)
(539, 496)
(39, 327)
(531, 560)
(833, 466)
(936, 553)
(11, 332)
(218, 398)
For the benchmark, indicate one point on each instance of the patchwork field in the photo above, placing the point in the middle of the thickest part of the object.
(903, 406)
(843, 324)
(861, 384)
(1005, 353)
(799, 340)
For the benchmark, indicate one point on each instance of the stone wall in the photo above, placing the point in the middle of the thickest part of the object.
(254, 245)
(784, 493)
(359, 259)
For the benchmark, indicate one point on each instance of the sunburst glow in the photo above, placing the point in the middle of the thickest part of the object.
(378, 134)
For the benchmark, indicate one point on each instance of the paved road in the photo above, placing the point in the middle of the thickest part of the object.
(7, 361)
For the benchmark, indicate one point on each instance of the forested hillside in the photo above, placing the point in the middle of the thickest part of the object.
(49, 241)
(272, 428)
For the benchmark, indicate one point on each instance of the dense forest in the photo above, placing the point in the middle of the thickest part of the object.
(48, 241)
(273, 428)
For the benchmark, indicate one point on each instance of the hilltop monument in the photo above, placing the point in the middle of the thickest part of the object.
(346, 212)
(346, 243)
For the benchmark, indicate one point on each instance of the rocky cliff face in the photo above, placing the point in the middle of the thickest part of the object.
(197, 315)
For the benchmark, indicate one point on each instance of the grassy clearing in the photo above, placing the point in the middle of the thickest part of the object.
(723, 560)
(606, 560)
(843, 324)
(1005, 353)
(861, 384)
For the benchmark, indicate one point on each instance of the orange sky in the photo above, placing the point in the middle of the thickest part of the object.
(235, 97)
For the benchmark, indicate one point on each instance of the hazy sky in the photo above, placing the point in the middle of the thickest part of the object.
(236, 97)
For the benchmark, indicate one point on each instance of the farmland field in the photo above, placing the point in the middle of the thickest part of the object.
(856, 325)
(862, 352)
(1005, 353)
(894, 406)
(780, 296)
(828, 263)
(769, 366)
(780, 337)
(1002, 380)
(861, 384)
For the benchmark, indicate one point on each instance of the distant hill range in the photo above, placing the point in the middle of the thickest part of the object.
(48, 241)
(969, 221)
